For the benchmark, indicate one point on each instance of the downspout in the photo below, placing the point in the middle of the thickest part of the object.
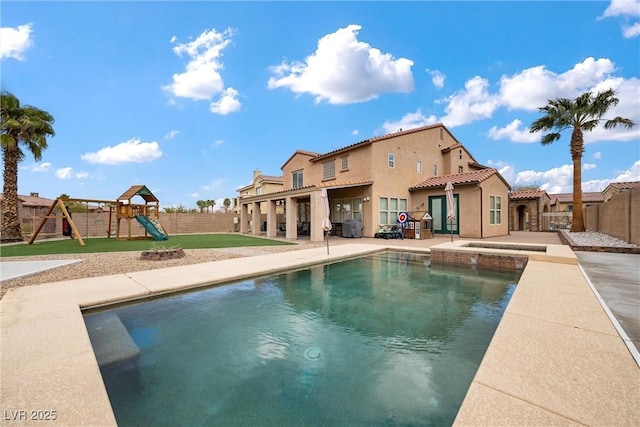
(481, 216)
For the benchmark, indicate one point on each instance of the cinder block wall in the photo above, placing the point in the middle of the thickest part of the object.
(97, 224)
(618, 217)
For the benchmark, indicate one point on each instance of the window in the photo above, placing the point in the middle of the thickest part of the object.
(435, 170)
(298, 179)
(345, 163)
(258, 191)
(343, 209)
(495, 210)
(419, 167)
(389, 208)
(460, 169)
(329, 170)
(441, 132)
(392, 160)
(461, 154)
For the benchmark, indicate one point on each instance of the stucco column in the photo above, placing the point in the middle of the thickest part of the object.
(290, 215)
(272, 223)
(244, 218)
(317, 233)
(255, 217)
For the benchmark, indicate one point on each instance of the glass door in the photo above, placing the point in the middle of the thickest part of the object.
(438, 210)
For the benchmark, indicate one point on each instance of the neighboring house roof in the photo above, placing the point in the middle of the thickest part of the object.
(32, 201)
(262, 179)
(588, 197)
(621, 186)
(528, 194)
(473, 177)
(138, 190)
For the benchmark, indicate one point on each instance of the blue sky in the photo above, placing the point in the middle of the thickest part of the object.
(189, 98)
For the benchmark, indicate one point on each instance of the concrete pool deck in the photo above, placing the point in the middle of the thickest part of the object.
(555, 359)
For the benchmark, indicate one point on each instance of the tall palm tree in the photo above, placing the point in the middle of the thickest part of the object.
(582, 114)
(21, 126)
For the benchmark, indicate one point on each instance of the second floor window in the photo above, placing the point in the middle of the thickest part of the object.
(460, 169)
(259, 191)
(345, 163)
(419, 166)
(297, 179)
(435, 170)
(392, 160)
(495, 210)
(329, 170)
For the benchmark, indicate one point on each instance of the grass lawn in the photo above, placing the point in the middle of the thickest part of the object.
(100, 244)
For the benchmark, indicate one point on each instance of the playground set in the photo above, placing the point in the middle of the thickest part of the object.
(147, 214)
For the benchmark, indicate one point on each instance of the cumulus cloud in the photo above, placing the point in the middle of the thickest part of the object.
(437, 78)
(471, 104)
(15, 41)
(201, 79)
(228, 102)
(409, 121)
(344, 70)
(597, 155)
(628, 9)
(68, 173)
(131, 151)
(513, 133)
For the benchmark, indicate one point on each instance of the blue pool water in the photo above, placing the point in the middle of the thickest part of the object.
(387, 339)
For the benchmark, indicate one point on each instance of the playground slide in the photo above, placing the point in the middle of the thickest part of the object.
(155, 232)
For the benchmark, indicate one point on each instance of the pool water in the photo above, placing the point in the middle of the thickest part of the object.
(386, 339)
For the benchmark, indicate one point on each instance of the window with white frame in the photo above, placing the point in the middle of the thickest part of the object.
(298, 181)
(345, 163)
(495, 210)
(258, 191)
(389, 208)
(329, 169)
(435, 170)
(419, 167)
(392, 160)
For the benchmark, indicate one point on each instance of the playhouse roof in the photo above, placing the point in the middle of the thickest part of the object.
(139, 190)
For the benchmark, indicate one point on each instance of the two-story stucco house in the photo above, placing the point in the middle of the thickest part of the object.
(372, 181)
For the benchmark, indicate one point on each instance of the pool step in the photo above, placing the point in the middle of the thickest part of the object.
(110, 340)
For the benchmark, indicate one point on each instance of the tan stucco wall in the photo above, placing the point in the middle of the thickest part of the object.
(297, 162)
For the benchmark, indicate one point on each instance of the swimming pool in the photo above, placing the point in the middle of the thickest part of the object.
(383, 339)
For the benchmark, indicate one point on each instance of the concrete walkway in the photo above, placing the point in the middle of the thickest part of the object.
(616, 277)
(12, 269)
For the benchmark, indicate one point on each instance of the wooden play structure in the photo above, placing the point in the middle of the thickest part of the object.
(147, 215)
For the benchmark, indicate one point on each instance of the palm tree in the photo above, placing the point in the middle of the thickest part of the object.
(211, 204)
(227, 204)
(201, 204)
(582, 114)
(22, 126)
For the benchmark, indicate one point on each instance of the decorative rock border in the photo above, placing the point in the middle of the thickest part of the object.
(162, 254)
(566, 240)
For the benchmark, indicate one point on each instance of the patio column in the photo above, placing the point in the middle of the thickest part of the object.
(291, 215)
(255, 228)
(272, 223)
(317, 233)
(244, 218)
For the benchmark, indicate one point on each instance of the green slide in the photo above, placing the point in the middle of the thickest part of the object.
(151, 228)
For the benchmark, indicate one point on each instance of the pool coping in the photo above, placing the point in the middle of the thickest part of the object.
(48, 364)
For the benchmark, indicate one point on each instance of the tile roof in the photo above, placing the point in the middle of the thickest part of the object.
(588, 197)
(275, 179)
(527, 194)
(387, 136)
(303, 152)
(624, 185)
(473, 177)
(32, 201)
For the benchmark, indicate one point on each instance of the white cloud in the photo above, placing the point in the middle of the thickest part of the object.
(622, 7)
(631, 31)
(355, 132)
(473, 103)
(409, 121)
(627, 9)
(201, 79)
(631, 174)
(437, 78)
(39, 167)
(228, 102)
(512, 132)
(69, 173)
(597, 155)
(131, 151)
(15, 41)
(344, 70)
(588, 166)
(171, 134)
(218, 142)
